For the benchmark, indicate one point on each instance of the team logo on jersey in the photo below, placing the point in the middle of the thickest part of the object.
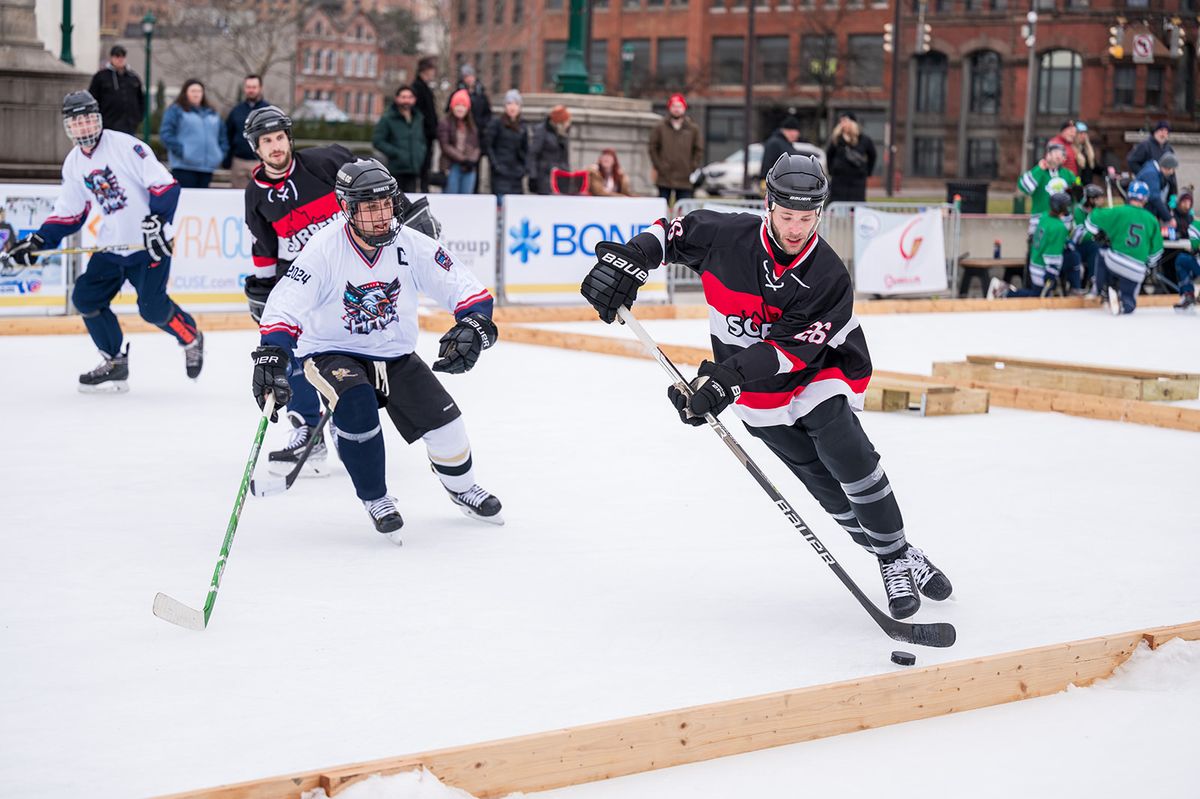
(103, 185)
(140, 150)
(443, 259)
(371, 306)
(752, 325)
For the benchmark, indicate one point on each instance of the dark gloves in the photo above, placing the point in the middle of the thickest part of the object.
(715, 388)
(270, 376)
(461, 345)
(614, 281)
(257, 290)
(23, 252)
(154, 236)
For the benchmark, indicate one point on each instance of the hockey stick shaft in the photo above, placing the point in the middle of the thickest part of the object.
(940, 635)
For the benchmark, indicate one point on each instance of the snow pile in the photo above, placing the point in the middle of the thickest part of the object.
(408, 785)
(1172, 667)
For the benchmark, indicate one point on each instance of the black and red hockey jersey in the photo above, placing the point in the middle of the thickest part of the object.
(787, 327)
(283, 214)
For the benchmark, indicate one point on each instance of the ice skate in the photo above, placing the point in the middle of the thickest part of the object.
(110, 377)
(930, 580)
(193, 355)
(998, 289)
(1114, 301)
(477, 503)
(1186, 304)
(385, 517)
(903, 600)
(282, 461)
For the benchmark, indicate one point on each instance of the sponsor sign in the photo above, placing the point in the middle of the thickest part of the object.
(899, 253)
(41, 288)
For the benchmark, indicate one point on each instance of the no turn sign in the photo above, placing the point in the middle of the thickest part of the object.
(1143, 48)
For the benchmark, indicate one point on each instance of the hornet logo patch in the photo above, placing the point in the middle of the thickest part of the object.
(103, 185)
(371, 306)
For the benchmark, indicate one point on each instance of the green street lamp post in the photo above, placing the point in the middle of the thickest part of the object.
(67, 56)
(626, 67)
(147, 31)
(572, 77)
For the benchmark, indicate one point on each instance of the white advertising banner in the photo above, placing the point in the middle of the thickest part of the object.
(468, 231)
(41, 288)
(549, 242)
(899, 253)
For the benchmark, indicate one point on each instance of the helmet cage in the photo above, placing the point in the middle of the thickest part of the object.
(84, 128)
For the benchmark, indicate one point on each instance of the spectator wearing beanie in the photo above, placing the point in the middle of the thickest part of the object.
(676, 151)
(459, 140)
(605, 178)
(118, 90)
(779, 143)
(481, 107)
(1151, 148)
(549, 149)
(506, 145)
(1159, 175)
(1067, 132)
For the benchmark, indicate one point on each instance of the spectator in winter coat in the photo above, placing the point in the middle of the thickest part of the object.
(676, 151)
(426, 73)
(1151, 148)
(1067, 133)
(400, 135)
(481, 107)
(1157, 176)
(549, 149)
(851, 158)
(779, 143)
(242, 158)
(1085, 155)
(194, 136)
(506, 145)
(119, 91)
(605, 178)
(459, 140)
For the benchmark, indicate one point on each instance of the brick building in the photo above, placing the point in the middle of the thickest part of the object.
(961, 105)
(338, 59)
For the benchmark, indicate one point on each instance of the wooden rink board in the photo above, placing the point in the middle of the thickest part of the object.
(1099, 381)
(575, 755)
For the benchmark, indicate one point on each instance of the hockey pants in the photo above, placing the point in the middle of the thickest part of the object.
(106, 273)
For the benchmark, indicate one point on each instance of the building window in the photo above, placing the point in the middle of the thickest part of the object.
(518, 11)
(496, 76)
(723, 126)
(598, 64)
(1124, 80)
(480, 12)
(982, 159)
(499, 15)
(1043, 5)
(462, 13)
(600, 5)
(818, 59)
(999, 5)
(514, 69)
(554, 5)
(865, 57)
(1185, 81)
(632, 5)
(927, 157)
(728, 59)
(1154, 87)
(1137, 3)
(771, 59)
(639, 70)
(654, 3)
(931, 83)
(671, 66)
(985, 82)
(552, 58)
(1059, 75)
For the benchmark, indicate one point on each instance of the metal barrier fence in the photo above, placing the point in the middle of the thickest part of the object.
(837, 228)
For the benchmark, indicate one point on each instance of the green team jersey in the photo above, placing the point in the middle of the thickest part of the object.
(1193, 234)
(1079, 232)
(1134, 235)
(1034, 184)
(1049, 241)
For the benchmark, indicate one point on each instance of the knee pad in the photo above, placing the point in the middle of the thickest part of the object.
(157, 311)
(357, 414)
(87, 314)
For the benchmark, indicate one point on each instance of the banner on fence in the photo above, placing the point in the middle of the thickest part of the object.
(549, 242)
(41, 288)
(899, 253)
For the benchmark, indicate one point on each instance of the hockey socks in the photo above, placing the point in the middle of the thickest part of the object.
(360, 441)
(181, 325)
(450, 454)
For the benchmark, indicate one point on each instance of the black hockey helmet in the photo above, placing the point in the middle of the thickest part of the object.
(81, 119)
(1092, 194)
(363, 181)
(265, 120)
(1060, 203)
(797, 182)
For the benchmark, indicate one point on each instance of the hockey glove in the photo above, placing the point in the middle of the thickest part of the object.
(461, 345)
(257, 290)
(270, 376)
(23, 252)
(154, 236)
(715, 388)
(614, 281)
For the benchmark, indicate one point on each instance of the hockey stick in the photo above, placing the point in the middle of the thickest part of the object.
(276, 484)
(10, 268)
(940, 634)
(174, 611)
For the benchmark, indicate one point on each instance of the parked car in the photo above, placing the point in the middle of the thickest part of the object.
(323, 110)
(725, 177)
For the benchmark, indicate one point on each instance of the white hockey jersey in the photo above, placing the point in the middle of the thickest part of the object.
(333, 299)
(120, 177)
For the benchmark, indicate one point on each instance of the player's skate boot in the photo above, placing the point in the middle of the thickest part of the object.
(282, 461)
(193, 356)
(903, 600)
(929, 578)
(477, 503)
(1187, 303)
(998, 289)
(1114, 301)
(386, 518)
(110, 377)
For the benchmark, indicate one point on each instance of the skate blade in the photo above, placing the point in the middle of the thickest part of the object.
(394, 537)
(111, 387)
(497, 520)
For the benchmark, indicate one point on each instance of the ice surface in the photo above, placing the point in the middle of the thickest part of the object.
(640, 569)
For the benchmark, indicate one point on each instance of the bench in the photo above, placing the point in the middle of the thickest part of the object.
(969, 269)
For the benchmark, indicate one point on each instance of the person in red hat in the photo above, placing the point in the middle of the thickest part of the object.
(459, 139)
(676, 151)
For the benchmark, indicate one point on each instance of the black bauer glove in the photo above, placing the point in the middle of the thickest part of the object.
(154, 236)
(614, 281)
(257, 290)
(270, 376)
(715, 388)
(461, 344)
(22, 252)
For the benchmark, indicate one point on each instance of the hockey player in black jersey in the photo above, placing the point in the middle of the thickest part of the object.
(790, 356)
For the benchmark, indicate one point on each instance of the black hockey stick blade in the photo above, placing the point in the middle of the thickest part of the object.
(940, 634)
(276, 484)
(174, 611)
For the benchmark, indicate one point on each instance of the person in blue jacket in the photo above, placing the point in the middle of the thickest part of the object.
(195, 137)
(1157, 176)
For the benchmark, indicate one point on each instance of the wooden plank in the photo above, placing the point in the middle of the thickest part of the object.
(1160, 635)
(885, 400)
(1066, 366)
(959, 401)
(1100, 385)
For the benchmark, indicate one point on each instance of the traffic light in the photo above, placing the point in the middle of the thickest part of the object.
(1175, 27)
(1116, 41)
(887, 37)
(926, 37)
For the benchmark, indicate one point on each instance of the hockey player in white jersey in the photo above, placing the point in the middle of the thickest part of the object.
(137, 197)
(347, 306)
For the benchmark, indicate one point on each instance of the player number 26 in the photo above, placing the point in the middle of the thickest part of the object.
(815, 333)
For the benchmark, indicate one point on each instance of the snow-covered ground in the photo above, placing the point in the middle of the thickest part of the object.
(640, 569)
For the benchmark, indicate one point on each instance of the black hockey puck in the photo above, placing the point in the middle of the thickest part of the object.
(903, 658)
